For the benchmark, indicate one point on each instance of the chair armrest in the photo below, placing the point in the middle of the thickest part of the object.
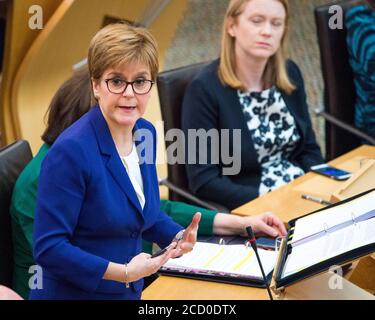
(182, 192)
(345, 126)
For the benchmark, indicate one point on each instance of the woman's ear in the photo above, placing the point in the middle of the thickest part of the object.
(230, 26)
(95, 88)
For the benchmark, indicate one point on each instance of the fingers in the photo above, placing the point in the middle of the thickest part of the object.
(273, 221)
(268, 230)
(8, 294)
(194, 222)
(176, 253)
(266, 223)
(277, 223)
(196, 219)
(158, 262)
(143, 265)
(194, 225)
(187, 246)
(165, 257)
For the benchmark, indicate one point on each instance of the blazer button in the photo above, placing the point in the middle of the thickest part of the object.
(134, 235)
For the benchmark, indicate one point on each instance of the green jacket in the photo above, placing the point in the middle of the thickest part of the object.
(23, 208)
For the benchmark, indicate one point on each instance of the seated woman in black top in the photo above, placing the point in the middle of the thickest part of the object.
(252, 87)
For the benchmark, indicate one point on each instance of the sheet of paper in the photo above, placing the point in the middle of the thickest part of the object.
(330, 245)
(329, 218)
(226, 259)
(304, 256)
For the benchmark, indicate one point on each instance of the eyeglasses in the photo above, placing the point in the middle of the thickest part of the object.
(119, 86)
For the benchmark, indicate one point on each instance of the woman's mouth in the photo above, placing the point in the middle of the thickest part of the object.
(263, 44)
(129, 108)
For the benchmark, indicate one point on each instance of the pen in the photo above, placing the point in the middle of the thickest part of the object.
(179, 236)
(321, 201)
(161, 251)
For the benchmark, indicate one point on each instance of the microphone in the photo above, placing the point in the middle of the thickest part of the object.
(253, 243)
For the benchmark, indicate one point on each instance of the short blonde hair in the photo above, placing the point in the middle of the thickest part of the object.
(119, 44)
(275, 72)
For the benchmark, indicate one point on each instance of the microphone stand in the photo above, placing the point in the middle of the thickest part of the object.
(253, 243)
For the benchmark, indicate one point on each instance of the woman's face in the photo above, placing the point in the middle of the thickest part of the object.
(258, 30)
(122, 109)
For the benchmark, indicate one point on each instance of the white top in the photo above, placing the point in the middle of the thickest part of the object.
(131, 164)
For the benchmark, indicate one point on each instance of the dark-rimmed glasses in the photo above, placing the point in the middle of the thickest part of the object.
(119, 86)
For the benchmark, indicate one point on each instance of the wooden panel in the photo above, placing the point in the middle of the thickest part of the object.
(18, 40)
(364, 274)
(62, 43)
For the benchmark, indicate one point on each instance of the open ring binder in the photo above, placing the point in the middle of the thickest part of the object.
(223, 262)
(349, 239)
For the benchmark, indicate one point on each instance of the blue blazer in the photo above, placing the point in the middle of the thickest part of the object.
(88, 213)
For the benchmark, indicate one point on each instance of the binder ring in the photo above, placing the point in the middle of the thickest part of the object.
(222, 242)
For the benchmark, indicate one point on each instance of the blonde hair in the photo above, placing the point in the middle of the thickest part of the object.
(118, 44)
(275, 72)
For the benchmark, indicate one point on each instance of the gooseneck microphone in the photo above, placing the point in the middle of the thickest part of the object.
(253, 243)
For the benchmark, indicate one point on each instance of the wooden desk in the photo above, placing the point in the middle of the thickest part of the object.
(173, 288)
(288, 204)
(286, 201)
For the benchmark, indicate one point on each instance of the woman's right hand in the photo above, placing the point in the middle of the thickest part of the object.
(143, 265)
(266, 224)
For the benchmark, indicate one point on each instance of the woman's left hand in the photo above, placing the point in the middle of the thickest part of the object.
(186, 244)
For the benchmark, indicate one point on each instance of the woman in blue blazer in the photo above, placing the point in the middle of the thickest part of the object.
(253, 89)
(98, 191)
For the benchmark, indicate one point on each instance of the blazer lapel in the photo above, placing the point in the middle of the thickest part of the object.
(145, 169)
(118, 172)
(114, 164)
(239, 122)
